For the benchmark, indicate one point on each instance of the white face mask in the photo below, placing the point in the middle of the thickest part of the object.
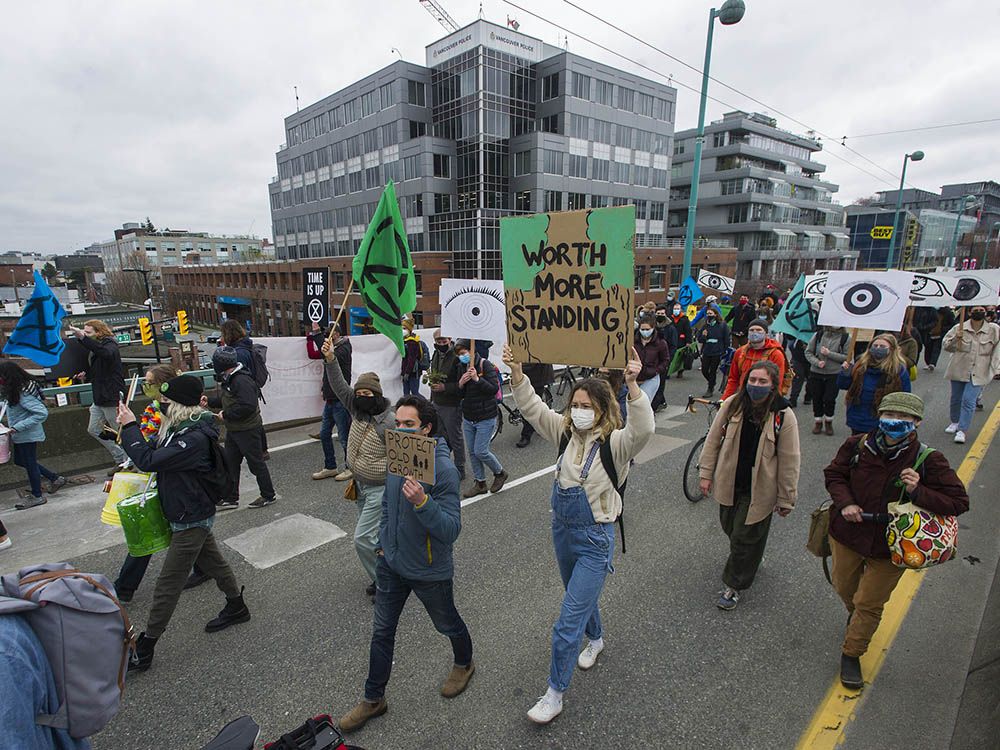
(583, 419)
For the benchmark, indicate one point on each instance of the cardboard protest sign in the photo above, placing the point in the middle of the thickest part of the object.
(689, 293)
(716, 282)
(569, 282)
(796, 317)
(956, 288)
(410, 455)
(473, 309)
(316, 295)
(866, 299)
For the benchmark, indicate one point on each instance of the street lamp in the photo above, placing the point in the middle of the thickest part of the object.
(730, 13)
(149, 303)
(958, 222)
(915, 156)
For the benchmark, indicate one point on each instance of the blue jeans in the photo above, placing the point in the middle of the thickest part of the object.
(650, 387)
(391, 593)
(334, 413)
(26, 456)
(963, 403)
(477, 442)
(411, 384)
(584, 549)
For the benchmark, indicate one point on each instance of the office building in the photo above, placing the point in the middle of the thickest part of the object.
(925, 237)
(494, 123)
(762, 191)
(143, 246)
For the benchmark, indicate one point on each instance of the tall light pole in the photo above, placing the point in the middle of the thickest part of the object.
(730, 13)
(149, 303)
(915, 156)
(954, 236)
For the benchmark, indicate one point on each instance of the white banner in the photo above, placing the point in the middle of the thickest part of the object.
(866, 299)
(957, 288)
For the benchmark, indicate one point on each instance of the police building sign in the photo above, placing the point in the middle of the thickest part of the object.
(483, 33)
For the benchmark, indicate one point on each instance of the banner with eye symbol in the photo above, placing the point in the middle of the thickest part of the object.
(473, 309)
(716, 282)
(866, 299)
(956, 288)
(815, 285)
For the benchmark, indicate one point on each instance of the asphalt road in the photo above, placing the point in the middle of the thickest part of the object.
(676, 672)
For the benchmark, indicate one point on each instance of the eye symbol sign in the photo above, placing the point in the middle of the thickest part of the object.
(715, 281)
(864, 298)
(966, 290)
(476, 307)
(926, 287)
(816, 287)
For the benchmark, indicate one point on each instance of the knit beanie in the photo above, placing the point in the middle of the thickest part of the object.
(759, 323)
(224, 358)
(185, 390)
(369, 381)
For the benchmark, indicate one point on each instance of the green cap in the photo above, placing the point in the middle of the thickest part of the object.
(904, 403)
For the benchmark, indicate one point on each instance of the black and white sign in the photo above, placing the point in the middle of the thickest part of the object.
(716, 282)
(866, 299)
(316, 295)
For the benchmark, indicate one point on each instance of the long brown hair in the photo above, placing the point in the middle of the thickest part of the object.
(232, 331)
(102, 329)
(889, 379)
(607, 415)
(758, 411)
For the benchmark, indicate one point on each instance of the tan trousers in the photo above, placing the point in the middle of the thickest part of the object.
(865, 585)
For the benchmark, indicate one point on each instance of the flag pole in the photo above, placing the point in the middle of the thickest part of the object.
(131, 395)
(350, 288)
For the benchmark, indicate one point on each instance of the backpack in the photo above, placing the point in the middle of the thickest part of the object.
(217, 482)
(258, 365)
(608, 462)
(425, 357)
(86, 635)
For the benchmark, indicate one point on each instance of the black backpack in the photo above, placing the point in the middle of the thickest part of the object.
(217, 482)
(258, 365)
(608, 462)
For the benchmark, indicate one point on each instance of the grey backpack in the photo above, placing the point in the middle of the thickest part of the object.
(86, 635)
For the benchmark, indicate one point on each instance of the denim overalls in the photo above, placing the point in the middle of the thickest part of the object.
(584, 549)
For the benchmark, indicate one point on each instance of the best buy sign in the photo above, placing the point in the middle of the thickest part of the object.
(881, 233)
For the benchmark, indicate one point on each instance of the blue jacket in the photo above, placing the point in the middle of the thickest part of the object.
(417, 543)
(26, 418)
(861, 416)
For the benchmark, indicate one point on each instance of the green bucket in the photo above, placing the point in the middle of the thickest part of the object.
(146, 529)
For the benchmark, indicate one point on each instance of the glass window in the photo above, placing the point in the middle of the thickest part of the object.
(626, 99)
(579, 126)
(373, 178)
(623, 136)
(550, 87)
(640, 271)
(604, 92)
(522, 163)
(417, 129)
(640, 208)
(389, 134)
(549, 124)
(643, 140)
(598, 201)
(621, 173)
(553, 162)
(602, 170)
(413, 205)
(336, 118)
(354, 181)
(323, 157)
(656, 210)
(415, 93)
(553, 200)
(297, 196)
(309, 161)
(337, 151)
(352, 111)
(354, 146)
(663, 109)
(577, 202)
(577, 166)
(644, 105)
(442, 203)
(411, 168)
(339, 185)
(386, 95)
(659, 178)
(602, 131)
(657, 277)
(442, 165)
(390, 170)
(522, 200)
(369, 140)
(324, 189)
(640, 176)
(581, 86)
(369, 103)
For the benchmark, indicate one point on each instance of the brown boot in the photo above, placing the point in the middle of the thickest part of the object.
(829, 427)
(358, 716)
(476, 488)
(818, 427)
(498, 480)
(457, 680)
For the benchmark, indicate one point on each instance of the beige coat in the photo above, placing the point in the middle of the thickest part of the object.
(776, 473)
(976, 355)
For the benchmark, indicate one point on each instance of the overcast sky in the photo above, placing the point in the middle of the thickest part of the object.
(114, 111)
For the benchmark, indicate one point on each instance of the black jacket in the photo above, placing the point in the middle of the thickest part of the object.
(683, 327)
(714, 340)
(448, 364)
(238, 395)
(539, 375)
(668, 332)
(741, 316)
(177, 464)
(479, 397)
(104, 371)
(343, 352)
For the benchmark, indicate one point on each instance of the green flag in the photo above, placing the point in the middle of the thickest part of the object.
(383, 270)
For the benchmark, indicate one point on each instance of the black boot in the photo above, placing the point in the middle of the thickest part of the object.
(233, 613)
(142, 659)
(850, 672)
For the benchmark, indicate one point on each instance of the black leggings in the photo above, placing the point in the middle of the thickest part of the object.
(932, 351)
(710, 369)
(824, 391)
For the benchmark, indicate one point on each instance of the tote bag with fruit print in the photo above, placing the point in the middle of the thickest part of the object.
(916, 537)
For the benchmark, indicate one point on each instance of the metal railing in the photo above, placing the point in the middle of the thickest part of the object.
(83, 393)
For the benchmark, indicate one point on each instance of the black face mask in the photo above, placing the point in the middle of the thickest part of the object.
(367, 404)
(443, 348)
(978, 315)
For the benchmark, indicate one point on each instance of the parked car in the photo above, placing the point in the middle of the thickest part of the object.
(214, 337)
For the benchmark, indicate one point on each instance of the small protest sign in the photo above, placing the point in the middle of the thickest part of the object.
(316, 295)
(569, 281)
(473, 309)
(866, 299)
(410, 455)
(716, 282)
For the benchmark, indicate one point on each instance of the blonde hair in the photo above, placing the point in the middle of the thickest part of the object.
(607, 415)
(177, 414)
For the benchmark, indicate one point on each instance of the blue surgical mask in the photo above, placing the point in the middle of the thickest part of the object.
(878, 352)
(755, 337)
(410, 430)
(646, 333)
(897, 429)
(464, 358)
(758, 392)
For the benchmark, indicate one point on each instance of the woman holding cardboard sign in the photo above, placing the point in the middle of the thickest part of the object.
(596, 452)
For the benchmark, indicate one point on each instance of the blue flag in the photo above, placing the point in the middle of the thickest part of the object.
(689, 293)
(37, 334)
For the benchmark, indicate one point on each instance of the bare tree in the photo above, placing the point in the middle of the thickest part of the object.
(123, 286)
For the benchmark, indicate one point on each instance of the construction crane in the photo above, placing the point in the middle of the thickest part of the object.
(440, 15)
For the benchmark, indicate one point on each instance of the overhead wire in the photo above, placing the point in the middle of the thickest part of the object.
(926, 127)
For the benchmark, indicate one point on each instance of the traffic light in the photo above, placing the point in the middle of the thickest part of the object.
(146, 331)
(182, 322)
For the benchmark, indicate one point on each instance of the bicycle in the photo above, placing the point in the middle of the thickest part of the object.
(692, 480)
(514, 415)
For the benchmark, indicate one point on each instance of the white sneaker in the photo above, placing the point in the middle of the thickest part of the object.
(959, 436)
(952, 428)
(325, 473)
(545, 710)
(6, 543)
(588, 657)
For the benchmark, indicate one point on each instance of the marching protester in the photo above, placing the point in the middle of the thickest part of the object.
(751, 463)
(684, 336)
(22, 400)
(869, 472)
(236, 336)
(416, 359)
(758, 347)
(595, 457)
(877, 373)
(447, 396)
(667, 331)
(941, 324)
(419, 526)
(371, 415)
(975, 360)
(478, 385)
(826, 352)
(740, 317)
(795, 353)
(714, 340)
(539, 375)
(106, 375)
(181, 455)
(239, 398)
(334, 412)
(653, 354)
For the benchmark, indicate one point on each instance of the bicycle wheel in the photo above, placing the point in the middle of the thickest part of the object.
(498, 427)
(691, 478)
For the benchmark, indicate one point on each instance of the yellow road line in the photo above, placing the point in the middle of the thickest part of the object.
(826, 730)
